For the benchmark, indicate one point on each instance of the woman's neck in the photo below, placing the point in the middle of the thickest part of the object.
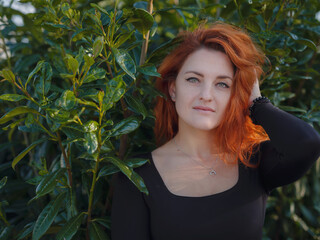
(196, 143)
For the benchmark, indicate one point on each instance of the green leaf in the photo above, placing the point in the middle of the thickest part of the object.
(89, 61)
(303, 41)
(34, 71)
(252, 25)
(59, 116)
(142, 20)
(49, 182)
(67, 100)
(136, 105)
(8, 75)
(27, 230)
(96, 233)
(91, 126)
(98, 46)
(6, 232)
(69, 229)
(17, 159)
(16, 111)
(122, 39)
(99, 8)
(12, 97)
(91, 142)
(43, 84)
(132, 175)
(125, 126)
(308, 43)
(107, 170)
(72, 64)
(47, 216)
(149, 70)
(95, 74)
(136, 162)
(3, 181)
(125, 61)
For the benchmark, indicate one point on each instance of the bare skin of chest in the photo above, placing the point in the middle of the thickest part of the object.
(183, 177)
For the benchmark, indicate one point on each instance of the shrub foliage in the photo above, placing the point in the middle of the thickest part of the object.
(76, 105)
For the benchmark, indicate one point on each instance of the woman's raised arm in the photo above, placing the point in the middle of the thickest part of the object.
(293, 147)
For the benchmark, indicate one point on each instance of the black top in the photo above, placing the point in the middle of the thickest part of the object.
(237, 213)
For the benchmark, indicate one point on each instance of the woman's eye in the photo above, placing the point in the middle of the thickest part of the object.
(222, 84)
(192, 79)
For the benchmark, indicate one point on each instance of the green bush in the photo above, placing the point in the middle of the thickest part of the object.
(77, 95)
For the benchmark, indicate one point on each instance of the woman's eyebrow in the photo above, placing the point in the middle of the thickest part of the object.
(197, 73)
(225, 76)
(219, 77)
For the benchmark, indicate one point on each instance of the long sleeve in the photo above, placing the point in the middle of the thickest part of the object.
(129, 213)
(293, 147)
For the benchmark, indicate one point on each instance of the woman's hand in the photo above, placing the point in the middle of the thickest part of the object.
(255, 92)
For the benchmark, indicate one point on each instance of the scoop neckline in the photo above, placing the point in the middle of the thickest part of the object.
(233, 188)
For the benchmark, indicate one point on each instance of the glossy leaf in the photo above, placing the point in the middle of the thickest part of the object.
(96, 233)
(70, 228)
(125, 126)
(149, 70)
(59, 116)
(98, 46)
(91, 126)
(5, 233)
(49, 182)
(34, 71)
(67, 100)
(125, 61)
(107, 170)
(43, 83)
(18, 158)
(136, 105)
(72, 64)
(3, 181)
(12, 97)
(94, 74)
(91, 142)
(8, 75)
(132, 175)
(47, 216)
(142, 20)
(15, 112)
(136, 162)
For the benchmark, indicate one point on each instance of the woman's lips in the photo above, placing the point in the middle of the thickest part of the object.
(204, 108)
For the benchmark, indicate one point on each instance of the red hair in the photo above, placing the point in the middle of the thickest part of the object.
(236, 134)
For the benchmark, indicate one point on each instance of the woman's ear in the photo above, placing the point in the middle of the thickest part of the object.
(172, 90)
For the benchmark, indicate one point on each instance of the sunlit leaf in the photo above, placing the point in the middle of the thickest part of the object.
(12, 97)
(125, 61)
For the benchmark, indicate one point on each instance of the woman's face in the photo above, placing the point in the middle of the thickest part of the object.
(202, 89)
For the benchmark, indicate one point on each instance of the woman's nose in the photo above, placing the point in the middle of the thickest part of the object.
(206, 93)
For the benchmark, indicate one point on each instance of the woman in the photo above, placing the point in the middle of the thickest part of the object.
(224, 147)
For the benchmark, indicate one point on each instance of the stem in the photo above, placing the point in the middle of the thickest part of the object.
(66, 160)
(5, 51)
(144, 47)
(94, 180)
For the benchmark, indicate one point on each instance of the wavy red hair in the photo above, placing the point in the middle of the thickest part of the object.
(236, 134)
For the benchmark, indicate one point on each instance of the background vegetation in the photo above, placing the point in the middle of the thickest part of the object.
(76, 92)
